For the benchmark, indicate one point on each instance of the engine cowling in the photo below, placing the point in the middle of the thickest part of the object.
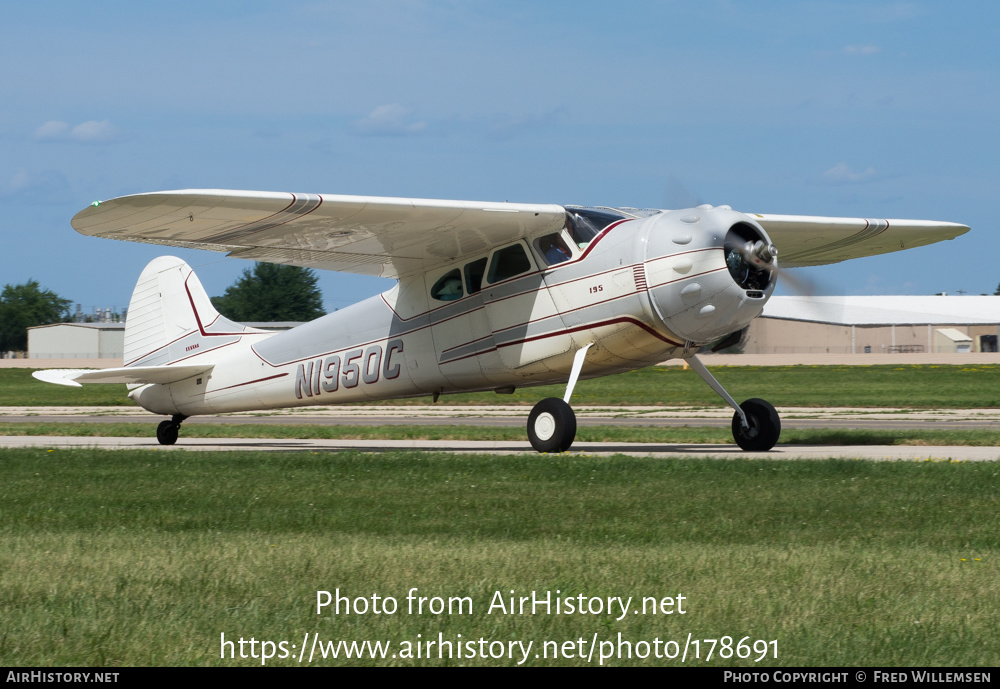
(709, 271)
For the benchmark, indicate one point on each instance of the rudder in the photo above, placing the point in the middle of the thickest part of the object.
(171, 318)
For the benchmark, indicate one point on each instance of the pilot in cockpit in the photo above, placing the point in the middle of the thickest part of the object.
(554, 249)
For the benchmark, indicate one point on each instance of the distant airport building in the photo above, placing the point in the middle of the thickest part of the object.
(95, 340)
(890, 324)
(77, 341)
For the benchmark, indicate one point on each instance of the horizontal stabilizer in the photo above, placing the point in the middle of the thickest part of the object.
(140, 375)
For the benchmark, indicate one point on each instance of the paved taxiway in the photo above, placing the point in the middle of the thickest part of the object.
(514, 416)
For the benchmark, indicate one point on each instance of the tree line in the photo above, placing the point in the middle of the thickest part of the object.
(265, 293)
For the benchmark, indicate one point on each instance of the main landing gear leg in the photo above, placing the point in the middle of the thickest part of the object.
(167, 431)
(552, 423)
(756, 425)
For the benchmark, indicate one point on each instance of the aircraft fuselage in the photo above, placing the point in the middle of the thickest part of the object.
(643, 290)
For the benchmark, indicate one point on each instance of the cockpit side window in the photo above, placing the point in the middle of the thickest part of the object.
(553, 248)
(474, 272)
(583, 224)
(508, 262)
(448, 287)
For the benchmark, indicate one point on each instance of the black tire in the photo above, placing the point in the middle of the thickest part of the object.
(551, 425)
(167, 432)
(764, 430)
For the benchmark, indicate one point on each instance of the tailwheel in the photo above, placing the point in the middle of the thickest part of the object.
(168, 431)
(763, 426)
(551, 425)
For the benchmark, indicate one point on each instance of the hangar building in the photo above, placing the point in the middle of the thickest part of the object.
(889, 324)
(77, 341)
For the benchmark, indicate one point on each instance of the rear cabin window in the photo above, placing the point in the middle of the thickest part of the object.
(508, 262)
(448, 287)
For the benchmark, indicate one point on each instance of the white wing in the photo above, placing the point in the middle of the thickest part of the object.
(813, 241)
(396, 237)
(388, 237)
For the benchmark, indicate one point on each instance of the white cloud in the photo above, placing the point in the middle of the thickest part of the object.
(867, 49)
(841, 173)
(51, 131)
(389, 120)
(85, 132)
(513, 126)
(46, 186)
(20, 180)
(93, 132)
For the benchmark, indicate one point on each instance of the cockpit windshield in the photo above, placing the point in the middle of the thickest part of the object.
(584, 224)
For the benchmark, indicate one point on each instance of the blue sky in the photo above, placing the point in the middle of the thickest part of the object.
(871, 109)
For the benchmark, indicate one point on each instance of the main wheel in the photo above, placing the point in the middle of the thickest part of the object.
(551, 425)
(167, 432)
(764, 426)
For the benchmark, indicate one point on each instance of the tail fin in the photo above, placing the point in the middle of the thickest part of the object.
(170, 317)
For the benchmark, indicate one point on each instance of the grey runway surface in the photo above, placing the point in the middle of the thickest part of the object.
(516, 416)
(651, 450)
(512, 422)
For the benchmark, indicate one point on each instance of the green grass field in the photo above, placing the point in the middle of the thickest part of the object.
(147, 558)
(966, 387)
(119, 558)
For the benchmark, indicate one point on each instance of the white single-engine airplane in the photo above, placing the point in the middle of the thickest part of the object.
(490, 296)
